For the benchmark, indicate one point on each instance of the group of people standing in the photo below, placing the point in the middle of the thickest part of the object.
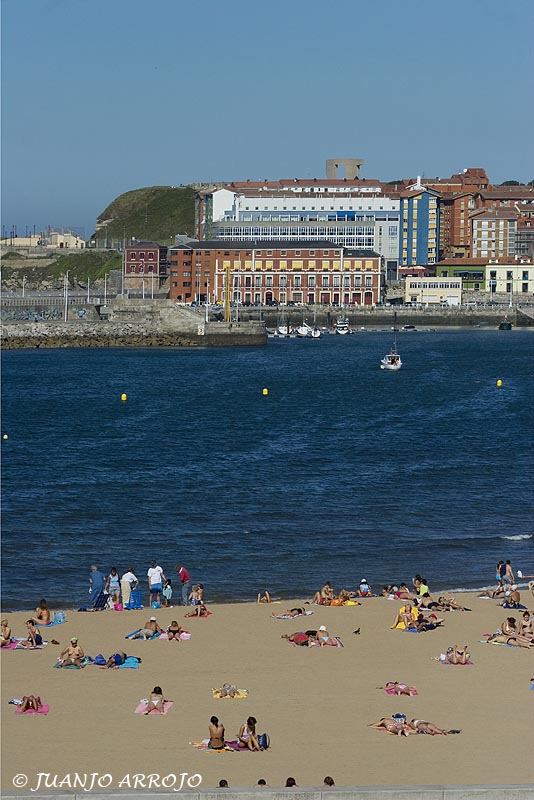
(120, 589)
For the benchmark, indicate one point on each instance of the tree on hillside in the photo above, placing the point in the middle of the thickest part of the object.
(511, 183)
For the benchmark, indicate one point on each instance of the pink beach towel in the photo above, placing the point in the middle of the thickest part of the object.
(184, 636)
(44, 709)
(141, 708)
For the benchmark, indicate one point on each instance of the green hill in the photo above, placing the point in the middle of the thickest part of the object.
(156, 213)
(44, 273)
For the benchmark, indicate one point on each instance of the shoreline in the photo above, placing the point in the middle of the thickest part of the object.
(289, 598)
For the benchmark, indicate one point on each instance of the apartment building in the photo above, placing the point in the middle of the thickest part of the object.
(493, 232)
(275, 271)
(145, 266)
(419, 216)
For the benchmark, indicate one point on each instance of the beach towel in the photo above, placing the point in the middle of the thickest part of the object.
(468, 663)
(184, 637)
(288, 616)
(133, 633)
(391, 690)
(502, 644)
(518, 607)
(204, 745)
(192, 615)
(141, 708)
(44, 709)
(239, 694)
(132, 662)
(87, 660)
(58, 619)
(20, 646)
(12, 645)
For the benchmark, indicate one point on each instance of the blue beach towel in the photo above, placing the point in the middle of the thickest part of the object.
(129, 635)
(132, 662)
(59, 619)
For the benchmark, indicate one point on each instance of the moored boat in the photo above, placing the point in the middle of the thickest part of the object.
(342, 325)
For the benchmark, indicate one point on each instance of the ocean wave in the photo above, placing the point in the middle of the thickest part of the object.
(517, 538)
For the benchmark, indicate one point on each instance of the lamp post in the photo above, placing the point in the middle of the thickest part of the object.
(106, 289)
(88, 284)
(66, 291)
(143, 284)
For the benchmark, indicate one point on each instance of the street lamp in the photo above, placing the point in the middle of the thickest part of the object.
(66, 291)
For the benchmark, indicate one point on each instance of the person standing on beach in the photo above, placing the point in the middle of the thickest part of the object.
(216, 734)
(185, 579)
(156, 579)
(508, 576)
(129, 582)
(96, 583)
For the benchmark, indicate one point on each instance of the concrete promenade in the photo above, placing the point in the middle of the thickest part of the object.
(476, 792)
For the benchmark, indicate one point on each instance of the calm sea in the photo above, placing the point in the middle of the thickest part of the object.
(343, 471)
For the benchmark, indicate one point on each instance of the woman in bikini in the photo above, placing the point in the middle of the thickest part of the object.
(395, 727)
(42, 614)
(156, 702)
(30, 702)
(291, 612)
(325, 596)
(420, 726)
(200, 611)
(398, 688)
(300, 638)
(247, 736)
(5, 635)
(456, 656)
(174, 630)
(525, 626)
(512, 635)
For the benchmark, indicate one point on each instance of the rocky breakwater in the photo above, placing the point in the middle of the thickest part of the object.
(157, 325)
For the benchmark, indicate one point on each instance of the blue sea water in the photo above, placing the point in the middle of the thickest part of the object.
(342, 471)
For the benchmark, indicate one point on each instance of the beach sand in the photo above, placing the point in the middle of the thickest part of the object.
(315, 703)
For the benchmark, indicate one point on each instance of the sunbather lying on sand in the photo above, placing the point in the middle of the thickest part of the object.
(199, 611)
(147, 632)
(30, 702)
(420, 726)
(393, 687)
(291, 612)
(394, 726)
(493, 593)
(156, 702)
(115, 661)
(455, 656)
(300, 638)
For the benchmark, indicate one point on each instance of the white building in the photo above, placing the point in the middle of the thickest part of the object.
(433, 291)
(510, 276)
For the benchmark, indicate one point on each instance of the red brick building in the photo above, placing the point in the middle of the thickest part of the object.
(145, 263)
(277, 271)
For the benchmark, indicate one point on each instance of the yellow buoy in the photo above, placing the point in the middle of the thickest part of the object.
(5, 436)
(265, 392)
(124, 397)
(499, 383)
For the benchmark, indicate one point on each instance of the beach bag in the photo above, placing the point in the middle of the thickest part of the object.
(264, 741)
(118, 606)
(59, 616)
(156, 605)
(100, 660)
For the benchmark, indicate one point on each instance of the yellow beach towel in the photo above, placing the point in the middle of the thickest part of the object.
(239, 694)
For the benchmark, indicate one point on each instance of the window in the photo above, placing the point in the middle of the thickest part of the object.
(187, 274)
(151, 256)
(283, 280)
(133, 256)
(524, 287)
(368, 280)
(269, 280)
(142, 256)
(325, 281)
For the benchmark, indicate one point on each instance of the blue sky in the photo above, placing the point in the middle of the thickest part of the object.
(103, 96)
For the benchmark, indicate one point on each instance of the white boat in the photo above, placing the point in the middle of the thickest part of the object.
(315, 333)
(342, 325)
(304, 330)
(392, 360)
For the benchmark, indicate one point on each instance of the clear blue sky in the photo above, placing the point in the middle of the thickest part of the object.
(103, 96)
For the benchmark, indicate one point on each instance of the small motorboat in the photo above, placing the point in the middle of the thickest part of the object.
(342, 325)
(505, 325)
(392, 360)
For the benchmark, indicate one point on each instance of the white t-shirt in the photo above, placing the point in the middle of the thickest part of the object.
(154, 575)
(130, 577)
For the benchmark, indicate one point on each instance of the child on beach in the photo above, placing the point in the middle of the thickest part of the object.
(167, 594)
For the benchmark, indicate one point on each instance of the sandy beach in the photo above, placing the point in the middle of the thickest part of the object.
(315, 703)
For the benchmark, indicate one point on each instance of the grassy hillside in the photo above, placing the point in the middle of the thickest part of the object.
(156, 213)
(80, 266)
